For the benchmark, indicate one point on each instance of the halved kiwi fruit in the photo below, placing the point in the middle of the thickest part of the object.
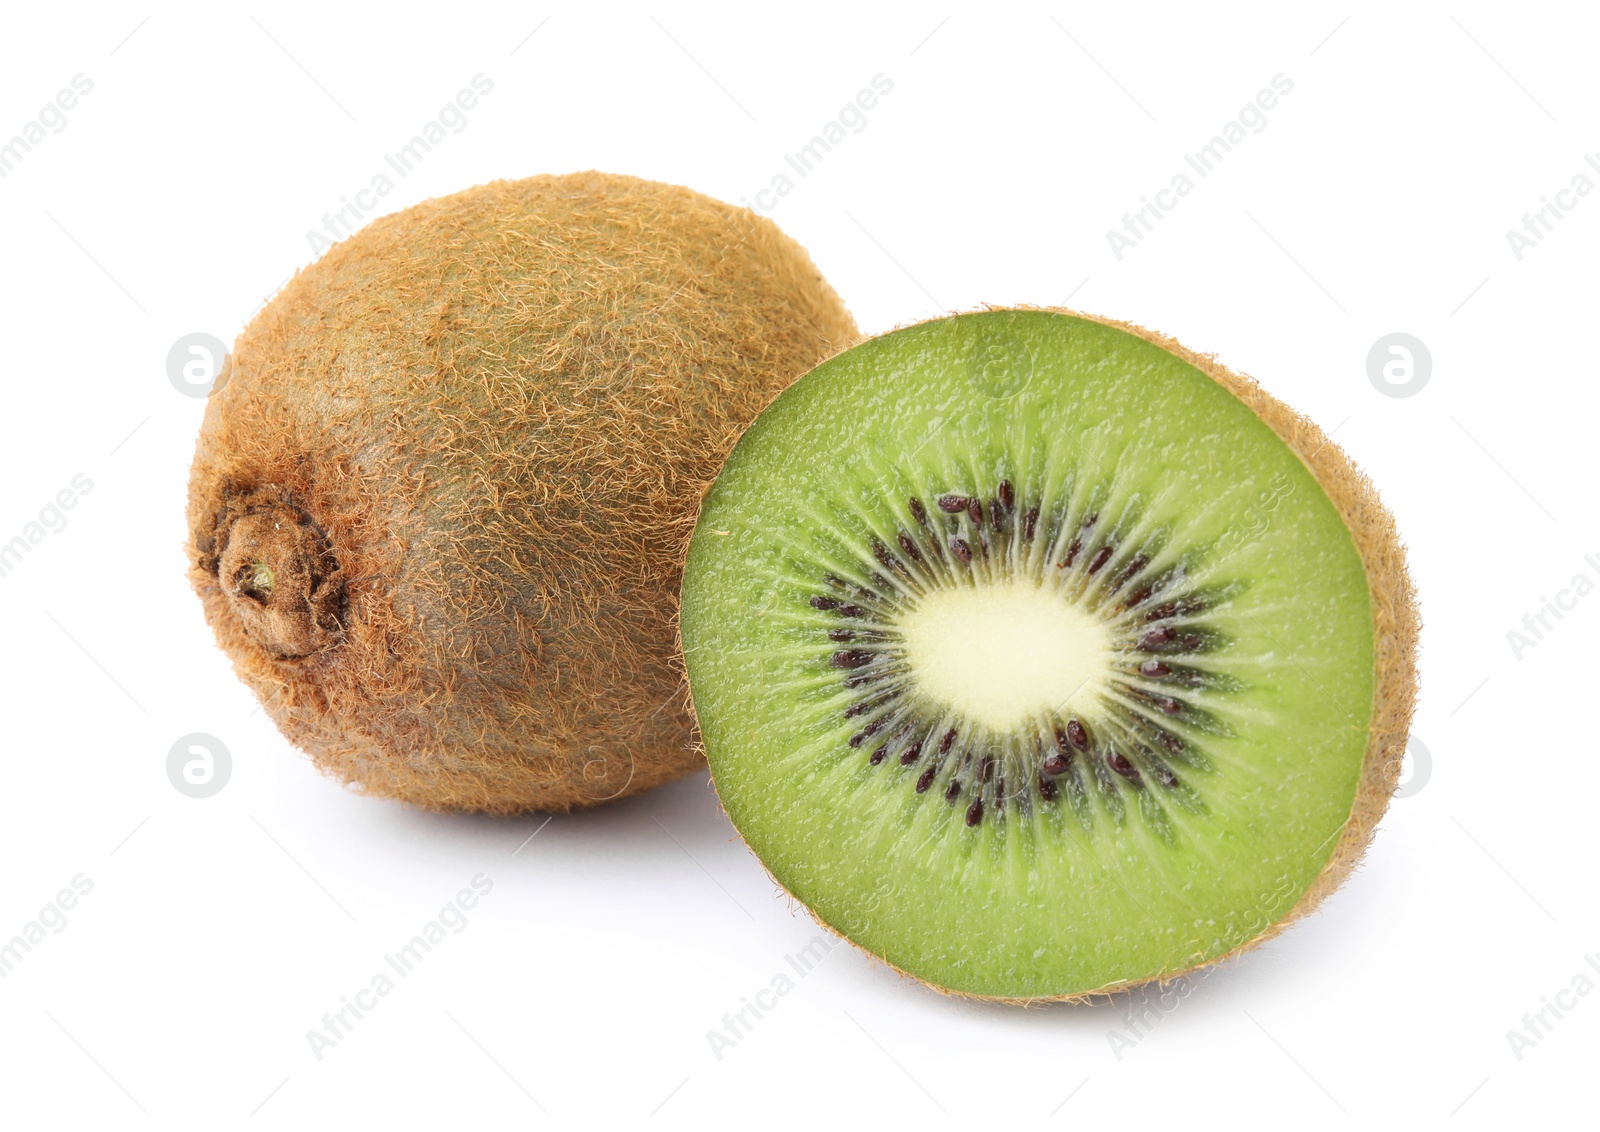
(1040, 657)
(441, 494)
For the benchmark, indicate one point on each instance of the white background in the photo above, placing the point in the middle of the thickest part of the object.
(1377, 199)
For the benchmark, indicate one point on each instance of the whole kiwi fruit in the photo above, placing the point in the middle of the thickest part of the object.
(444, 482)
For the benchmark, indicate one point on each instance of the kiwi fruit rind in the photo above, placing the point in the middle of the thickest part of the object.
(442, 489)
(1041, 657)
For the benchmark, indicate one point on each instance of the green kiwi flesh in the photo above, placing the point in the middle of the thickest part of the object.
(1038, 659)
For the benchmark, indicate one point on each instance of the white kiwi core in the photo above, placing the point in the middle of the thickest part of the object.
(1004, 653)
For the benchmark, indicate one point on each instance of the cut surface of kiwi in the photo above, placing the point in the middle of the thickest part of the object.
(1040, 657)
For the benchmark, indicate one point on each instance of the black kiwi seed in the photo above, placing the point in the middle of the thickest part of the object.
(1008, 495)
(918, 511)
(884, 555)
(975, 512)
(1101, 557)
(1155, 638)
(1118, 762)
(952, 504)
(975, 812)
(861, 679)
(853, 658)
(1132, 570)
(1077, 735)
(1029, 521)
(824, 603)
(960, 549)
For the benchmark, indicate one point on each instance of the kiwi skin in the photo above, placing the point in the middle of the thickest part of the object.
(441, 494)
(1396, 623)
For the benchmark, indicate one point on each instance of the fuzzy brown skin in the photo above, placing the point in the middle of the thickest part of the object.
(440, 496)
(1396, 624)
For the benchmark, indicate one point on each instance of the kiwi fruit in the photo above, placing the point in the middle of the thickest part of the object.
(1041, 657)
(442, 490)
